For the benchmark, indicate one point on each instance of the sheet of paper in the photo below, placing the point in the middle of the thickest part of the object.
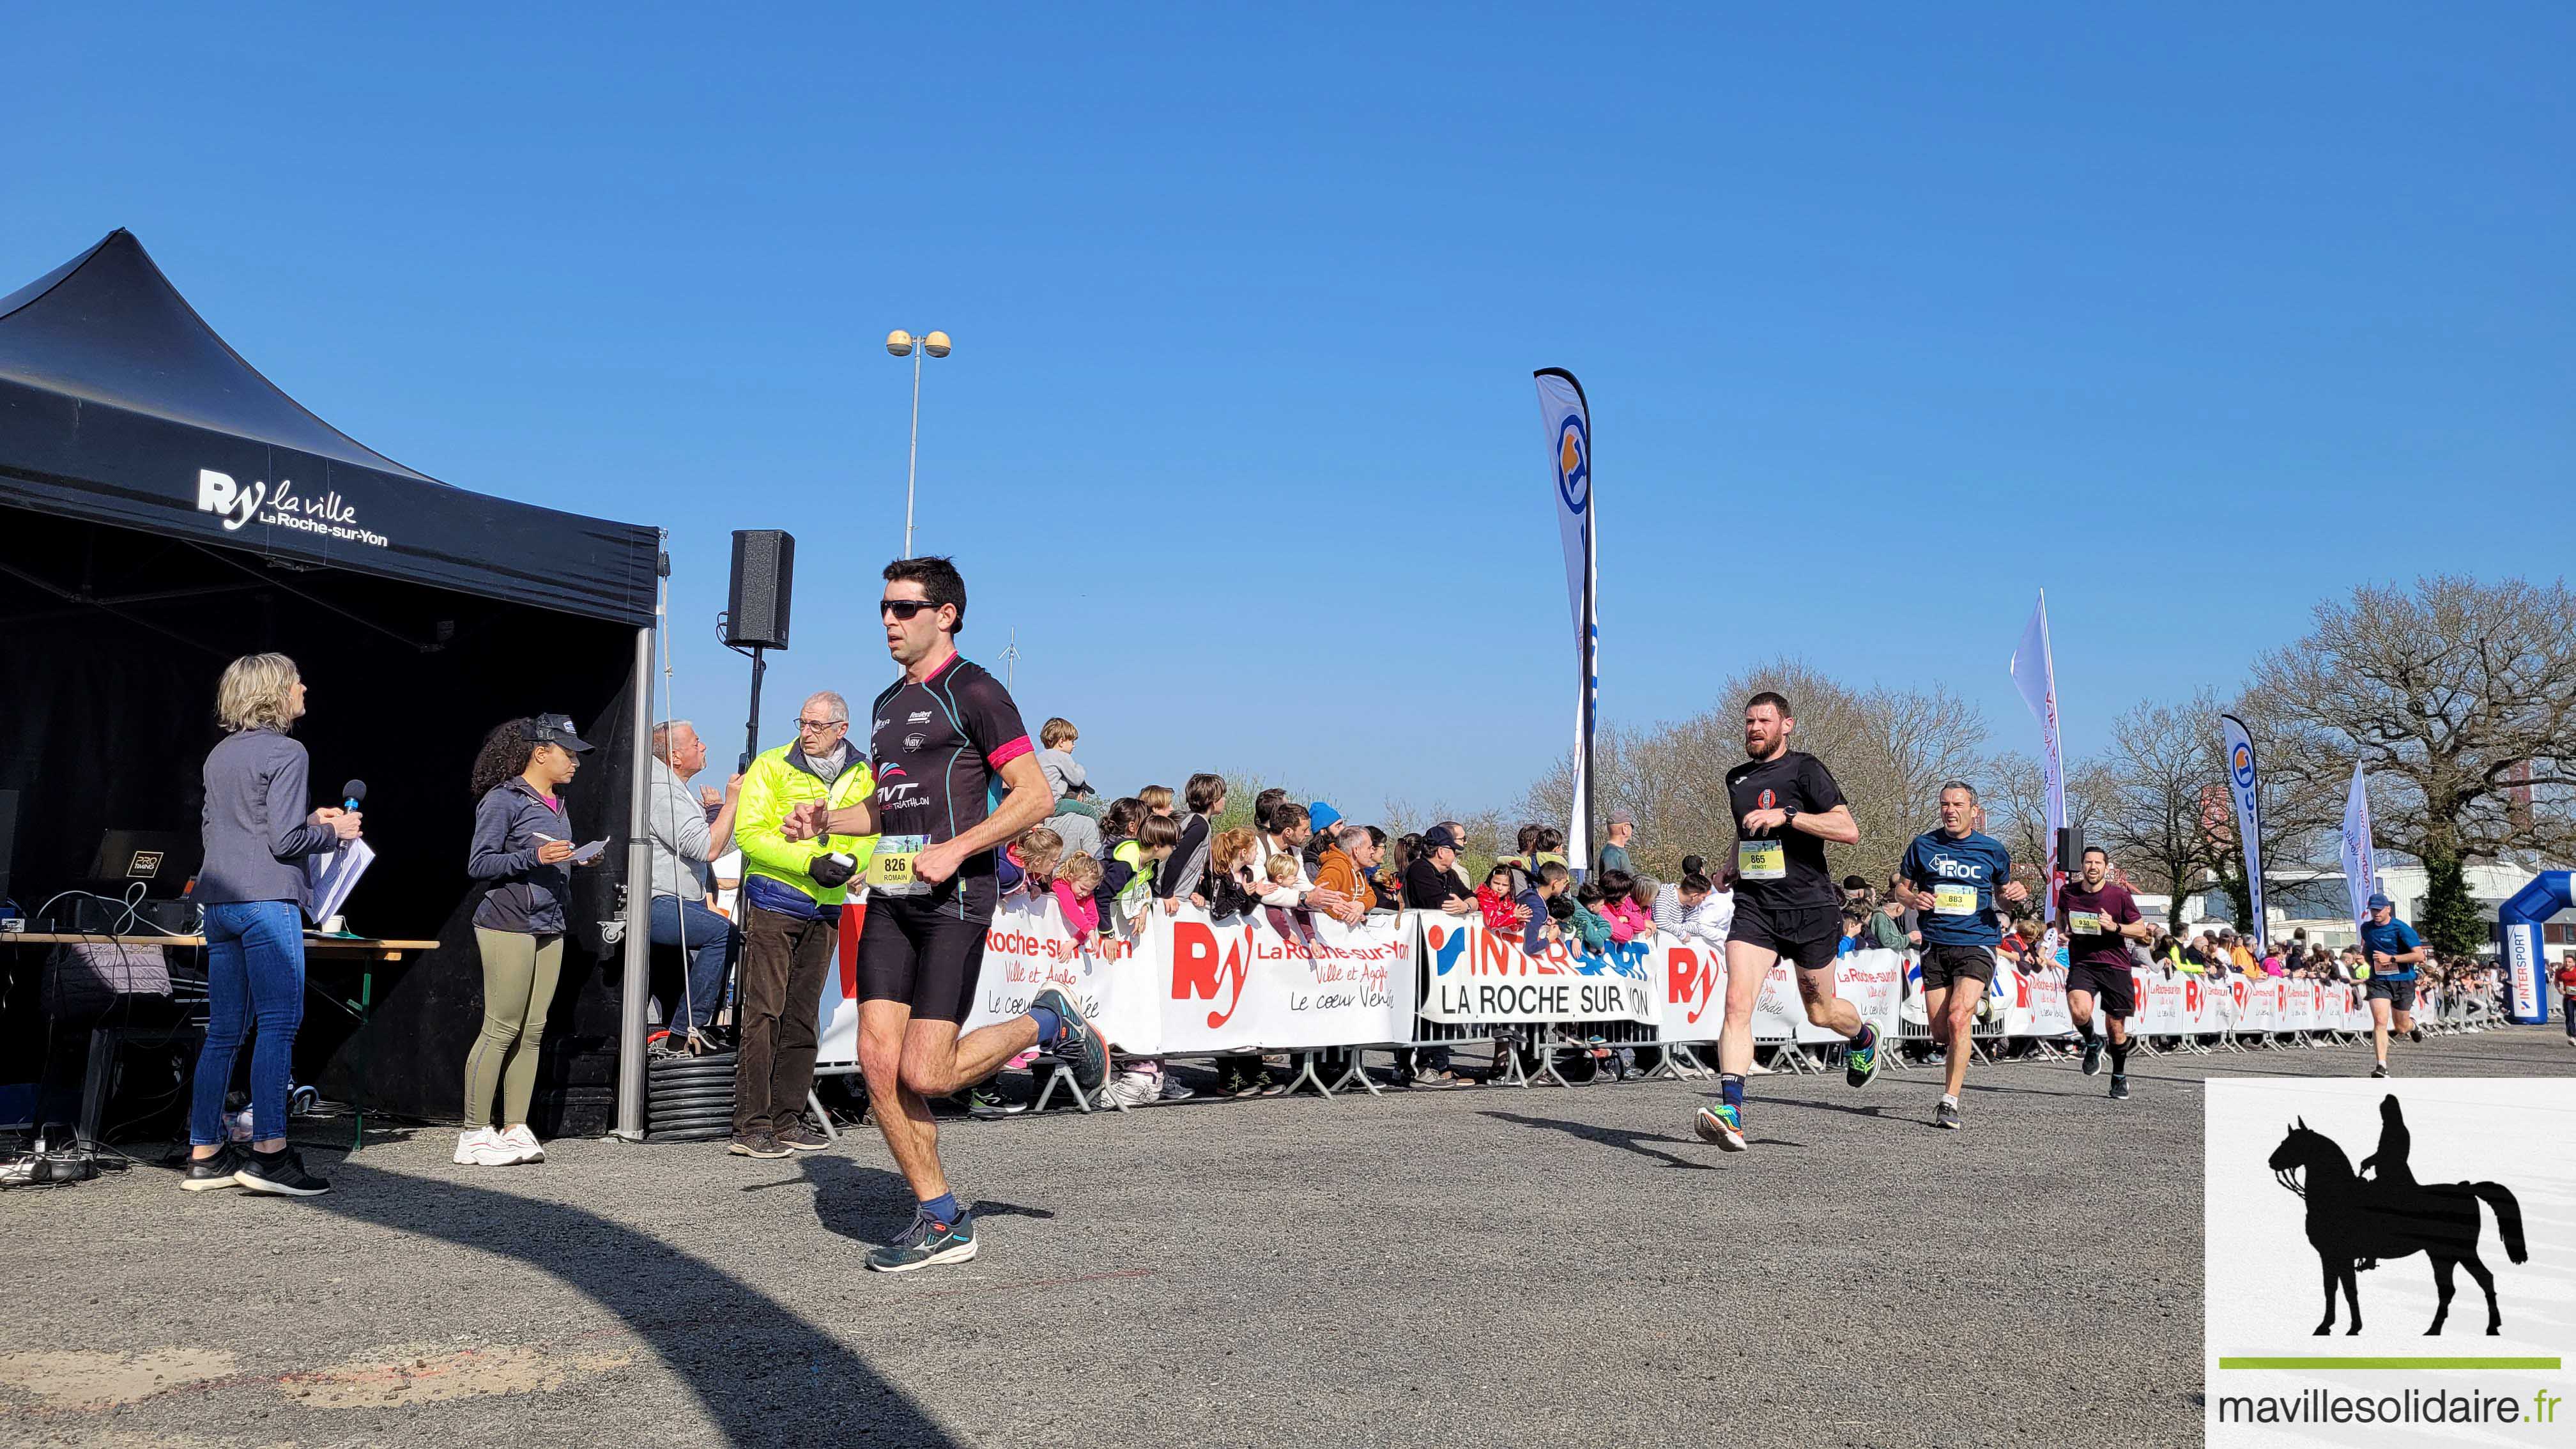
(329, 877)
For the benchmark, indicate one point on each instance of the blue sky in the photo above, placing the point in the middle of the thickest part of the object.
(1890, 316)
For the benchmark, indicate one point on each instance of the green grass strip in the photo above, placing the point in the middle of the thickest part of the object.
(2389, 1363)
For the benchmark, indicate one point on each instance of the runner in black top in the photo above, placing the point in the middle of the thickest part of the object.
(941, 736)
(1786, 807)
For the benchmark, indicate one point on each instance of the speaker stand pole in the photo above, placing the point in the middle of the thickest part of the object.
(751, 738)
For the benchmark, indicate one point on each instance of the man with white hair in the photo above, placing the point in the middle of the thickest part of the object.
(684, 840)
(792, 890)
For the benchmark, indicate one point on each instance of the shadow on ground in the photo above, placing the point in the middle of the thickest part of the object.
(741, 1352)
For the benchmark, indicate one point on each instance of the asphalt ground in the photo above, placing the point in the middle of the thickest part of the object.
(1481, 1265)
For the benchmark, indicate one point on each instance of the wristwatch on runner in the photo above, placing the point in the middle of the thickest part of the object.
(1788, 816)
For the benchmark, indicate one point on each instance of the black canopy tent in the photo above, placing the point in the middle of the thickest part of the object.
(164, 509)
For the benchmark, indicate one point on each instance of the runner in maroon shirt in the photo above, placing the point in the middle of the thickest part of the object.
(2098, 917)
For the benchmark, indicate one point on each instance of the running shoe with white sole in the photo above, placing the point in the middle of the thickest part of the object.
(1173, 1089)
(1946, 1116)
(1860, 1063)
(280, 1173)
(1721, 1124)
(1080, 1044)
(524, 1142)
(205, 1174)
(926, 1243)
(2380, 1070)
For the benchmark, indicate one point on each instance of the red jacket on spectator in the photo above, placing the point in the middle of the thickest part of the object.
(1500, 912)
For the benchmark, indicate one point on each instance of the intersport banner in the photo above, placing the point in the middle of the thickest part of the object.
(1565, 416)
(1474, 974)
(2249, 815)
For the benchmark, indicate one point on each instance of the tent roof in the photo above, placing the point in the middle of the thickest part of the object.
(119, 404)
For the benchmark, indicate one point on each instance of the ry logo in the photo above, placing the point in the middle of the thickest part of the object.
(1198, 972)
(218, 493)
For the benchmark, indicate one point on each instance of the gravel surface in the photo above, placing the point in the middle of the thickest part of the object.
(1434, 1268)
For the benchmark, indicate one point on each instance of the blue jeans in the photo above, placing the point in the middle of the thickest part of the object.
(711, 945)
(254, 977)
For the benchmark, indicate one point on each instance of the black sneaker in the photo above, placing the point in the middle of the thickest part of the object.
(755, 1144)
(2380, 1070)
(280, 1173)
(2119, 1086)
(926, 1243)
(1080, 1046)
(2092, 1056)
(798, 1137)
(2416, 1036)
(205, 1174)
(1946, 1116)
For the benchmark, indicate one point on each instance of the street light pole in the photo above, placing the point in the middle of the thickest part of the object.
(912, 460)
(902, 344)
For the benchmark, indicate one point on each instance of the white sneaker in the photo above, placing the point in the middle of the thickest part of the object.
(523, 1142)
(483, 1147)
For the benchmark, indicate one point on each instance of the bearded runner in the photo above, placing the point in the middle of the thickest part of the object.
(1787, 807)
(2099, 918)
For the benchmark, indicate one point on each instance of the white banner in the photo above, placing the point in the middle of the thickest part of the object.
(1566, 417)
(2249, 822)
(2036, 672)
(2034, 1001)
(2360, 856)
(1477, 974)
(1192, 985)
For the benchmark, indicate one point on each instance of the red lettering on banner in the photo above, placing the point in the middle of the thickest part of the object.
(1198, 972)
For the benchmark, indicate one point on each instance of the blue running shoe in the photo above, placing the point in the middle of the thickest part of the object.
(1080, 1045)
(926, 1243)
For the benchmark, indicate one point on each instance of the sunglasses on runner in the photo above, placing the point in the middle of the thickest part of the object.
(903, 608)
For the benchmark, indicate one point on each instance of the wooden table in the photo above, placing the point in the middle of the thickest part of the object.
(364, 951)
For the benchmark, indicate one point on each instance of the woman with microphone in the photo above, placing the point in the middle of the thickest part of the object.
(522, 839)
(257, 833)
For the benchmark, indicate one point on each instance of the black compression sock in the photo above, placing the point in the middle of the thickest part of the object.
(2119, 1058)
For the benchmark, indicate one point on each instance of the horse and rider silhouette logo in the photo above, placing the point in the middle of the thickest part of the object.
(2358, 1220)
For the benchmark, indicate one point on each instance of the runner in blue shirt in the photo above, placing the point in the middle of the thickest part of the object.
(2392, 948)
(1952, 876)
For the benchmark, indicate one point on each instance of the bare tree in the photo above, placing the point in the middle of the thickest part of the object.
(2449, 694)
(1888, 749)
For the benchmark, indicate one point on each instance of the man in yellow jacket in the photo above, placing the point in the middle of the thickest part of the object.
(792, 892)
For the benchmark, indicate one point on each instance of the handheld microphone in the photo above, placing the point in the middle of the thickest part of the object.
(354, 794)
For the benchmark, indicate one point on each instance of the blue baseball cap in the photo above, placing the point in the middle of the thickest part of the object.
(1322, 817)
(2380, 903)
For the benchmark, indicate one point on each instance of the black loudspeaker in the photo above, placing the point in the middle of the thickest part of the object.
(764, 576)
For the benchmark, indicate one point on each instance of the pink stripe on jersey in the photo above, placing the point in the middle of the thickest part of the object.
(1010, 750)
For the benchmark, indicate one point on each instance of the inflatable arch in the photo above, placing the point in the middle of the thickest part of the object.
(2526, 970)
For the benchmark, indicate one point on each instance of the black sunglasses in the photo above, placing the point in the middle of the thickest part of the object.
(903, 608)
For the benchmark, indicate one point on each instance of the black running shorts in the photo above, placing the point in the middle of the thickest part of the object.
(1945, 965)
(2400, 995)
(1805, 937)
(922, 955)
(2113, 988)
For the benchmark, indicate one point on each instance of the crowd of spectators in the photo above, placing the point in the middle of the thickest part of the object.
(1108, 864)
